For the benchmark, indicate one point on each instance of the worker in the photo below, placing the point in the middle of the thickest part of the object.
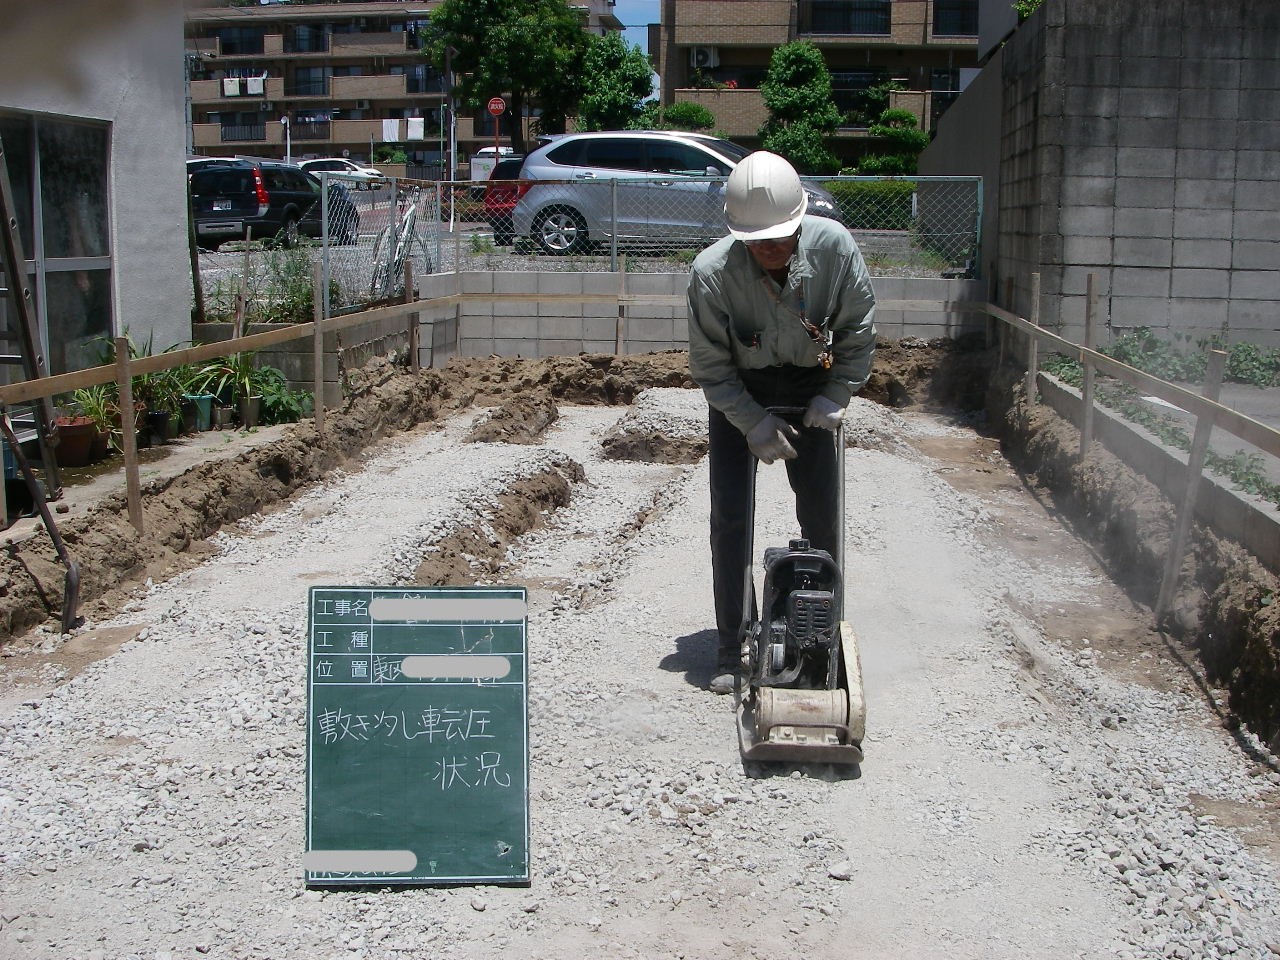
(781, 314)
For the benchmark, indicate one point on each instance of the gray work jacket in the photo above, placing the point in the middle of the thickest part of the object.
(740, 318)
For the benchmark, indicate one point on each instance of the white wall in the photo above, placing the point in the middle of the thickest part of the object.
(119, 62)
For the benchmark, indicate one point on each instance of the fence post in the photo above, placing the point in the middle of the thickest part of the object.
(326, 240)
(620, 330)
(242, 297)
(1195, 466)
(1086, 389)
(1033, 345)
(128, 433)
(317, 346)
(409, 296)
(613, 233)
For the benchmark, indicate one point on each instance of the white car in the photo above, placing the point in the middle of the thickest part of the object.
(357, 174)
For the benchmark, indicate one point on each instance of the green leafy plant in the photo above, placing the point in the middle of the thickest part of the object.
(280, 404)
(480, 244)
(874, 205)
(802, 114)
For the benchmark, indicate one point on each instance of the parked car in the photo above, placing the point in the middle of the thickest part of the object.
(670, 189)
(266, 199)
(358, 174)
(500, 196)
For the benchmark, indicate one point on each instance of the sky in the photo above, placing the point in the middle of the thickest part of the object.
(639, 12)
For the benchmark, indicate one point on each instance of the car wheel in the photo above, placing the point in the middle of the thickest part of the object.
(289, 232)
(560, 231)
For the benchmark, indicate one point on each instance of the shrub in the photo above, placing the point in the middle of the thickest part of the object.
(883, 205)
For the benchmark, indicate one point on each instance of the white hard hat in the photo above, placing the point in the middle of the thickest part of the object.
(763, 199)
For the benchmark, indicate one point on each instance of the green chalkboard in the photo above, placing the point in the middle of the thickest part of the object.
(417, 746)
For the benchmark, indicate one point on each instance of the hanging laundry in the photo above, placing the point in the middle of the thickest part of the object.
(417, 128)
(254, 86)
(391, 131)
(231, 86)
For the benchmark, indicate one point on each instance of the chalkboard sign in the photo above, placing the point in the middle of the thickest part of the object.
(417, 747)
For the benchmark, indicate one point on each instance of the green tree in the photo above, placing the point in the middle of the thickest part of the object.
(621, 79)
(802, 114)
(527, 50)
(903, 140)
(678, 116)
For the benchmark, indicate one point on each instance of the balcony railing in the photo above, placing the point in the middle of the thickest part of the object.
(844, 17)
(233, 132)
(307, 88)
(311, 130)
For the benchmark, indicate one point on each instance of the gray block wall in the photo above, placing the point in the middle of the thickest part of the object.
(909, 307)
(1139, 143)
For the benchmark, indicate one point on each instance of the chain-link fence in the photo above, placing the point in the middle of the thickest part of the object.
(905, 226)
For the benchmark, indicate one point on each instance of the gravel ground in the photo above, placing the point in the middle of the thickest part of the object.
(1021, 796)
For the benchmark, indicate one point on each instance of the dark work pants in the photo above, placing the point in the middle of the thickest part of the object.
(812, 475)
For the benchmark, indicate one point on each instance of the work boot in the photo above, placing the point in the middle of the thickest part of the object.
(728, 663)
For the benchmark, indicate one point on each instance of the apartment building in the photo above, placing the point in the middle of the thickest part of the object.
(717, 52)
(332, 79)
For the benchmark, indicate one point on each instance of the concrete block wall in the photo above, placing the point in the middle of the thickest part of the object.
(1139, 144)
(911, 307)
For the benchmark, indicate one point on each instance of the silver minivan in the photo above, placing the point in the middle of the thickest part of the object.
(663, 188)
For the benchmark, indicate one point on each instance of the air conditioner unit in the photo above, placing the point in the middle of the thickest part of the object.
(704, 58)
(362, 104)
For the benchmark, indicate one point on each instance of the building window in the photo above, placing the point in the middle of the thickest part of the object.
(310, 82)
(955, 18)
(420, 78)
(59, 172)
(240, 40)
(845, 17)
(307, 39)
(853, 94)
(944, 85)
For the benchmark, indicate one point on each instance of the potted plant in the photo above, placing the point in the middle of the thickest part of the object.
(235, 380)
(98, 403)
(80, 424)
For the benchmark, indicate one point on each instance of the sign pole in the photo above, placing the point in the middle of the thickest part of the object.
(497, 107)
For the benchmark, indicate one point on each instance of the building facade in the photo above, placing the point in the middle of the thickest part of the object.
(716, 53)
(335, 79)
(93, 151)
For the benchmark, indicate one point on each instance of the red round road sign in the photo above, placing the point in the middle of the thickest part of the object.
(497, 106)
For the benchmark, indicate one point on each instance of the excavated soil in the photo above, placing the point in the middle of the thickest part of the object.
(1224, 623)
(1224, 614)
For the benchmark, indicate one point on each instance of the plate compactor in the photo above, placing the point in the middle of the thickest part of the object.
(800, 698)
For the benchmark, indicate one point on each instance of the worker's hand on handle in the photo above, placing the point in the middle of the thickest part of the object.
(770, 439)
(823, 413)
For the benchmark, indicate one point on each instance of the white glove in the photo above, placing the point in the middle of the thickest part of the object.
(823, 413)
(768, 439)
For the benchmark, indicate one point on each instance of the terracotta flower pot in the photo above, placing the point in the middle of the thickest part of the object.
(75, 441)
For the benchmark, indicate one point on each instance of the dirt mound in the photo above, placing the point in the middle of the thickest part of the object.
(179, 513)
(1224, 604)
(664, 425)
(914, 371)
(477, 548)
(522, 420)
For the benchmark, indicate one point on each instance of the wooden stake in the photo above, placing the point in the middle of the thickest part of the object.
(1195, 467)
(1033, 345)
(409, 296)
(129, 441)
(1086, 391)
(317, 344)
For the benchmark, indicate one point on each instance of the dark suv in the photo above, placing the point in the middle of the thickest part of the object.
(268, 199)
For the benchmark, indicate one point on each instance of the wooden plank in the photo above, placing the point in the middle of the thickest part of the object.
(1086, 391)
(1235, 423)
(317, 344)
(128, 424)
(1195, 467)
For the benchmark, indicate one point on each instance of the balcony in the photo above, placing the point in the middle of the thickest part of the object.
(368, 44)
(250, 134)
(382, 87)
(311, 130)
(739, 113)
(863, 18)
(209, 91)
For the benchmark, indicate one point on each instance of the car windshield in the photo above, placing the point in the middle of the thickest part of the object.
(726, 148)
